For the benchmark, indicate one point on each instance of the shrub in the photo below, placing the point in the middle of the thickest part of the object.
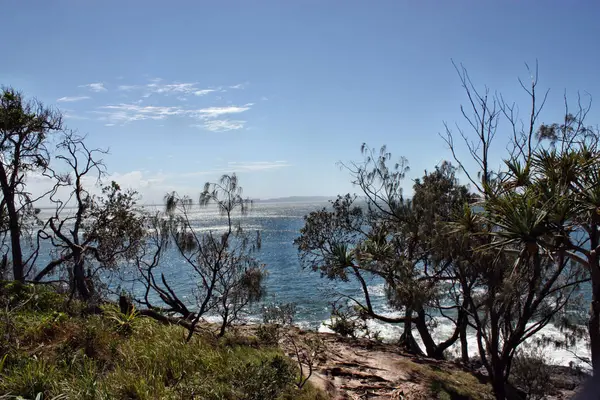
(531, 373)
(122, 323)
(268, 334)
(265, 380)
(275, 316)
(345, 321)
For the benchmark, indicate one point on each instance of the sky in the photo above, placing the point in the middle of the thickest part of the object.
(279, 92)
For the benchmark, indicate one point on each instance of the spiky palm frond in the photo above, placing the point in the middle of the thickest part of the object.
(342, 257)
(518, 173)
(518, 217)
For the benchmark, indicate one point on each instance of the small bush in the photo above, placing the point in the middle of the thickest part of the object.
(122, 323)
(345, 321)
(279, 314)
(266, 380)
(531, 373)
(269, 334)
(29, 297)
(275, 316)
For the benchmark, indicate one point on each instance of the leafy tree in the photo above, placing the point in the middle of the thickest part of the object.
(393, 239)
(88, 233)
(25, 129)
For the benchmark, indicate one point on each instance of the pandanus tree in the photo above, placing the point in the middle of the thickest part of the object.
(518, 244)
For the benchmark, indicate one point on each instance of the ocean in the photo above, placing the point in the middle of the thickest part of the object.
(288, 282)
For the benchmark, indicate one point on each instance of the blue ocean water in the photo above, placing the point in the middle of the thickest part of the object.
(287, 282)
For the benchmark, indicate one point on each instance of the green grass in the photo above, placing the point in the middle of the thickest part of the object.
(447, 383)
(63, 355)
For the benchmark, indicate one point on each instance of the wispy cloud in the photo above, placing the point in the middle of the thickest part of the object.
(204, 92)
(172, 88)
(214, 112)
(221, 125)
(123, 113)
(95, 87)
(212, 117)
(257, 165)
(127, 87)
(70, 114)
(178, 88)
(214, 120)
(68, 99)
(217, 118)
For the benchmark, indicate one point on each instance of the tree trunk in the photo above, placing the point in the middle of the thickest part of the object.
(224, 324)
(430, 346)
(15, 240)
(407, 341)
(464, 345)
(594, 325)
(79, 278)
(498, 385)
(594, 322)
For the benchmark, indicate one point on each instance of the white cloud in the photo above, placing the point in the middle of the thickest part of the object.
(212, 117)
(221, 125)
(127, 87)
(156, 87)
(70, 114)
(152, 185)
(95, 87)
(203, 92)
(72, 99)
(214, 112)
(123, 113)
(172, 88)
(258, 165)
(238, 86)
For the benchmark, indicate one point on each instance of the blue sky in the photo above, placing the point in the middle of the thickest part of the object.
(280, 91)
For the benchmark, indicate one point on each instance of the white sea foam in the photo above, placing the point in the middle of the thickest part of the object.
(557, 356)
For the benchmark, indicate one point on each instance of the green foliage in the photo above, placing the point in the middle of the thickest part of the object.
(268, 379)
(531, 373)
(123, 323)
(37, 298)
(447, 382)
(275, 317)
(25, 129)
(115, 355)
(35, 376)
(345, 321)
(388, 238)
(268, 334)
